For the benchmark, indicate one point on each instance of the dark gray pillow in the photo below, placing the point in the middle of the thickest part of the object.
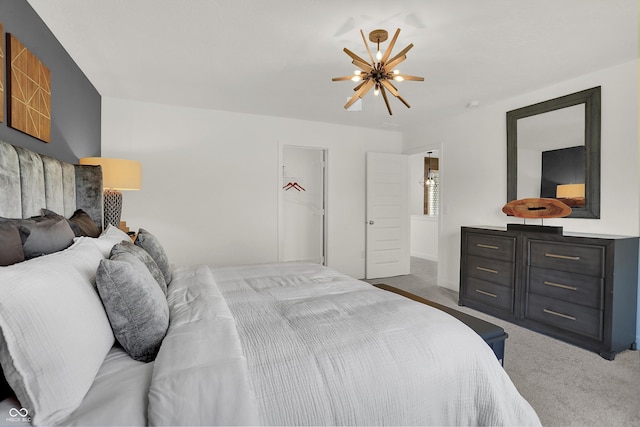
(84, 224)
(150, 243)
(11, 250)
(80, 222)
(142, 255)
(41, 235)
(135, 305)
(45, 237)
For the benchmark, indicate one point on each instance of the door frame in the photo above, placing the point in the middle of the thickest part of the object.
(325, 181)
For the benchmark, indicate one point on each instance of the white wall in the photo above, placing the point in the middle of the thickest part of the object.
(210, 180)
(474, 180)
(424, 237)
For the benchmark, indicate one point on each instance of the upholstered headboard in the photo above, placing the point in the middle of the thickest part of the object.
(30, 181)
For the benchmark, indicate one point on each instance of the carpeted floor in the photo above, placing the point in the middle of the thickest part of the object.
(567, 386)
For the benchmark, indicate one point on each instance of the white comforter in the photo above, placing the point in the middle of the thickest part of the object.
(300, 344)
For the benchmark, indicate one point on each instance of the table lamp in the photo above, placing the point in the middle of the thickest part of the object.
(117, 175)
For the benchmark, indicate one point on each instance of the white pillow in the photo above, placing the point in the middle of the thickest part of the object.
(110, 236)
(55, 333)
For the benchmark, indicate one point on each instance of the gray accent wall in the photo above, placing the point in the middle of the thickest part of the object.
(75, 102)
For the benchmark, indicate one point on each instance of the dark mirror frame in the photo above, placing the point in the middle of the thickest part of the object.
(591, 99)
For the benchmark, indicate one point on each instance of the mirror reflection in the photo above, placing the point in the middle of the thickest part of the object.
(551, 155)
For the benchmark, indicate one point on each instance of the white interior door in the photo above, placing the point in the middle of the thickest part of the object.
(387, 236)
(303, 210)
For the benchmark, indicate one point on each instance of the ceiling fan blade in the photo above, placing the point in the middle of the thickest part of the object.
(360, 85)
(403, 101)
(339, 79)
(390, 87)
(367, 46)
(403, 52)
(349, 103)
(359, 94)
(410, 78)
(392, 64)
(387, 53)
(386, 100)
(365, 88)
(362, 65)
(354, 56)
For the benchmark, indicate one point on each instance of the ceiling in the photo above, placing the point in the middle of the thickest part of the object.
(277, 57)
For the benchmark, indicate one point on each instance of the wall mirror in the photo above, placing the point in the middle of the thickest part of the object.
(553, 151)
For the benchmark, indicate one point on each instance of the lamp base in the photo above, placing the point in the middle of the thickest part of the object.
(112, 207)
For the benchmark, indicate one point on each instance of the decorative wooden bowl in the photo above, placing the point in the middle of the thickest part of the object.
(536, 208)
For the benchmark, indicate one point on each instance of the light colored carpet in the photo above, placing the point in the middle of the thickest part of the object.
(567, 386)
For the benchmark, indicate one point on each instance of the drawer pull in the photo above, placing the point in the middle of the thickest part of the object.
(489, 294)
(572, 258)
(481, 245)
(488, 270)
(555, 313)
(560, 285)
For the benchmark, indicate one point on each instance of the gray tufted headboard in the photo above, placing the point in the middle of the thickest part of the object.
(30, 181)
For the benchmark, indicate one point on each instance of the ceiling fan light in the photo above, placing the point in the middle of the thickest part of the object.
(378, 73)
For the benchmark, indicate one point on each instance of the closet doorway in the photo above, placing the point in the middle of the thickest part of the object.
(302, 219)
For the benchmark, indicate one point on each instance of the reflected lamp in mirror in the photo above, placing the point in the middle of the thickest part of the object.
(117, 175)
(571, 194)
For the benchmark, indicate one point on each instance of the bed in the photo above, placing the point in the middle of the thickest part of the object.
(90, 336)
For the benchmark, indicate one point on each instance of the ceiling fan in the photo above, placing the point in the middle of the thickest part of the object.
(378, 73)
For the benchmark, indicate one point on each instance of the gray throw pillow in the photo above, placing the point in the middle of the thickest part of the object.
(46, 237)
(142, 255)
(11, 250)
(135, 305)
(150, 243)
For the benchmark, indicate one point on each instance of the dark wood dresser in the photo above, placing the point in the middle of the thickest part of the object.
(580, 288)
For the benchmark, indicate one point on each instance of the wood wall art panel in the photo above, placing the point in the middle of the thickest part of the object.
(29, 91)
(1, 74)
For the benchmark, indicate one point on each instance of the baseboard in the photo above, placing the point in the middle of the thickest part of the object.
(424, 256)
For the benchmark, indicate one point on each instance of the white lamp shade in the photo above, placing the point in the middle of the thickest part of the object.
(117, 174)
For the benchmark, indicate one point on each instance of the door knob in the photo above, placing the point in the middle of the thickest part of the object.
(371, 222)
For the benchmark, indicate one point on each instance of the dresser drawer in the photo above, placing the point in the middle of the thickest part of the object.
(489, 293)
(489, 246)
(571, 317)
(583, 259)
(570, 287)
(491, 270)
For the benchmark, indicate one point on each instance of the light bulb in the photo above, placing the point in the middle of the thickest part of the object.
(356, 76)
(378, 55)
(376, 91)
(398, 78)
